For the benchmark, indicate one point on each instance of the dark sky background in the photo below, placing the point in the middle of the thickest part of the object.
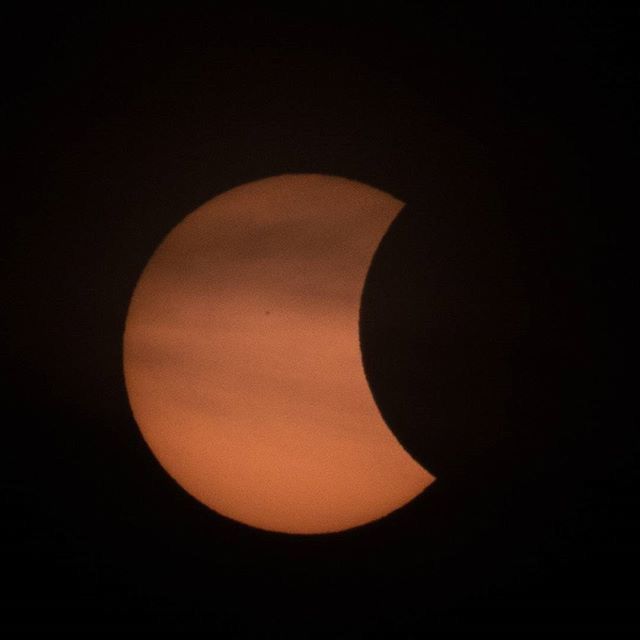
(493, 327)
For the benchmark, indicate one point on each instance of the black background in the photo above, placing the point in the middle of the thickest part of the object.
(492, 328)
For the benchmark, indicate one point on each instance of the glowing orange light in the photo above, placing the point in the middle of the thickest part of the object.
(242, 359)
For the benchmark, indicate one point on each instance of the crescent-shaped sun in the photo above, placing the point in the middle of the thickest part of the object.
(242, 360)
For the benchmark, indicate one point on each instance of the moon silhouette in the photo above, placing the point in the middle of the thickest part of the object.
(242, 358)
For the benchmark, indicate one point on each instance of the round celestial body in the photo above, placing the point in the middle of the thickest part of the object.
(242, 358)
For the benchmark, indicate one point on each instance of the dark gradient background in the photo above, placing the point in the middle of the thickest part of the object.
(492, 323)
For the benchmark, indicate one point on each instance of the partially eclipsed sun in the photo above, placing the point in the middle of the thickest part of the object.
(242, 360)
